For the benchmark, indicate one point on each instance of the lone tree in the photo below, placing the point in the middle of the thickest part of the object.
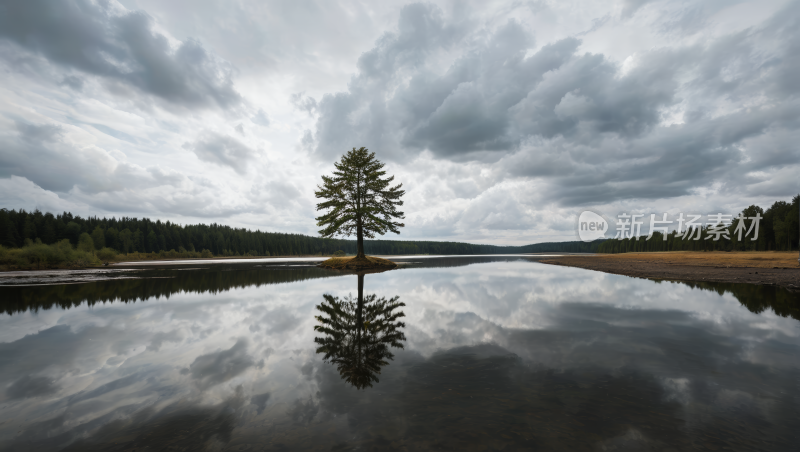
(358, 200)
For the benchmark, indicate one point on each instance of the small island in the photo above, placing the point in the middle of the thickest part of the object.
(358, 263)
(358, 200)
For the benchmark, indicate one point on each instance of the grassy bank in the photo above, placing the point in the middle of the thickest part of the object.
(356, 263)
(40, 256)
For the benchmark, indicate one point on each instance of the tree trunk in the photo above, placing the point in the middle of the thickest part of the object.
(360, 240)
(360, 305)
(360, 313)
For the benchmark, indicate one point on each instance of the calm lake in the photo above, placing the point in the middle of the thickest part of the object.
(456, 353)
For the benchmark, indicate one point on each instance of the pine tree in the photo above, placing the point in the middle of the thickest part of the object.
(358, 200)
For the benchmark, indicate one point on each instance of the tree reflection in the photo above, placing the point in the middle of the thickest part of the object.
(359, 334)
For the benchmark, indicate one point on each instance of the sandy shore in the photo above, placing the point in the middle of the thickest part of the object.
(774, 268)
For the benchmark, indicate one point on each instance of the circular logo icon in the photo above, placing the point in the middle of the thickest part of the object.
(591, 226)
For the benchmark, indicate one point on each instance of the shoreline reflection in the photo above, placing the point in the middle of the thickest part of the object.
(147, 284)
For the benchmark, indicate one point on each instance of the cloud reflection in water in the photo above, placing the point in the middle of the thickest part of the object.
(498, 355)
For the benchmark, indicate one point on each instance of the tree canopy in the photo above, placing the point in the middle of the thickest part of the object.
(358, 200)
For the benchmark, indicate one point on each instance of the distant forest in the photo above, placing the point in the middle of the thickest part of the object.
(778, 231)
(129, 235)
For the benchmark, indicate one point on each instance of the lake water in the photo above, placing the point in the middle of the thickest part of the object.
(489, 353)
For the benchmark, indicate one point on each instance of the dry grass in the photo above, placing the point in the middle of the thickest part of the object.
(355, 263)
(757, 259)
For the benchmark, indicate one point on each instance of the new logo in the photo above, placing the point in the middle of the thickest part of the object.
(591, 226)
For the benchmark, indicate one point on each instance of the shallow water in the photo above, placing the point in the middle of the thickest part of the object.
(498, 354)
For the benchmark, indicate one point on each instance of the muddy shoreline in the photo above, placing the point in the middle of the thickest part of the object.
(641, 267)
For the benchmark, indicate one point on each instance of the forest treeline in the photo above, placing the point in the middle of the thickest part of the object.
(777, 231)
(42, 238)
(141, 235)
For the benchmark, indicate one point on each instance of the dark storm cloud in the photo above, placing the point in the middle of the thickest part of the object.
(218, 367)
(93, 38)
(222, 150)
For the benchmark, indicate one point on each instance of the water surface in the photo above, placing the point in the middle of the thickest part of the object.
(495, 353)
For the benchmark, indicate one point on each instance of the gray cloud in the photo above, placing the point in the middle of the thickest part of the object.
(110, 131)
(137, 425)
(597, 132)
(361, 115)
(279, 194)
(261, 118)
(218, 367)
(28, 386)
(97, 39)
(161, 337)
(491, 98)
(260, 401)
(280, 320)
(303, 412)
(303, 102)
(629, 7)
(43, 154)
(56, 346)
(111, 386)
(73, 82)
(585, 98)
(222, 150)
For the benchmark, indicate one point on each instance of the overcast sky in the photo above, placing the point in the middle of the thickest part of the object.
(503, 120)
